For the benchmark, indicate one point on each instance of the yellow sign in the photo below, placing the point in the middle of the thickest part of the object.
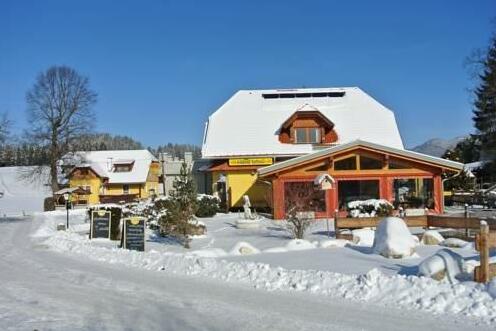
(135, 220)
(251, 161)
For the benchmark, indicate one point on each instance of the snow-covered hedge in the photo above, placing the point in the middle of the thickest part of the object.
(369, 208)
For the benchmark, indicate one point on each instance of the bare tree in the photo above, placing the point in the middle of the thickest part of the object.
(5, 125)
(59, 110)
(298, 221)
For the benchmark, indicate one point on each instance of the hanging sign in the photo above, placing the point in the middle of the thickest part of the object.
(250, 161)
(134, 233)
(100, 224)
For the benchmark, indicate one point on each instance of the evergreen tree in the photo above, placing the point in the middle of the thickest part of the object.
(184, 204)
(485, 105)
(466, 151)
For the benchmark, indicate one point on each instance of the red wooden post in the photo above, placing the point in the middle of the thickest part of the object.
(336, 228)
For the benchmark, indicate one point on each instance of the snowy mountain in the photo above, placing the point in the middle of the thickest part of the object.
(437, 146)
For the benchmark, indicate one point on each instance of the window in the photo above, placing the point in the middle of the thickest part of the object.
(414, 192)
(346, 164)
(353, 190)
(307, 135)
(335, 94)
(397, 164)
(122, 168)
(125, 189)
(304, 196)
(368, 163)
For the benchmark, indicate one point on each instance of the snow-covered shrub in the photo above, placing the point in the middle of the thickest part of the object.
(432, 237)
(456, 243)
(115, 218)
(393, 239)
(444, 264)
(244, 248)
(298, 222)
(369, 208)
(208, 205)
(363, 237)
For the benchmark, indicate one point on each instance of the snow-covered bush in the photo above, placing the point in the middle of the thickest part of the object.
(208, 205)
(244, 248)
(432, 237)
(393, 239)
(369, 208)
(298, 222)
(444, 264)
(363, 237)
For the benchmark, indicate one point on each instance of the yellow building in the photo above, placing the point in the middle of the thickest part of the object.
(113, 176)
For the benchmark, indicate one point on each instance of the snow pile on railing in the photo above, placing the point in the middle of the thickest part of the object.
(411, 292)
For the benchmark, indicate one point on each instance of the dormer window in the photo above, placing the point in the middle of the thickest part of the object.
(123, 165)
(307, 135)
(307, 127)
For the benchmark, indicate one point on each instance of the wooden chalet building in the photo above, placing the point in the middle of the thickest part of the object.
(272, 145)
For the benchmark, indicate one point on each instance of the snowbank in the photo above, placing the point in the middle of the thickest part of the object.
(432, 237)
(363, 237)
(408, 292)
(444, 264)
(244, 248)
(456, 243)
(393, 239)
(334, 243)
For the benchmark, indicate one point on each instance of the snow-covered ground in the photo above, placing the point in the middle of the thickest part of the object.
(321, 268)
(20, 196)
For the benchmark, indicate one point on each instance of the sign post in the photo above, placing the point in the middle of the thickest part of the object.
(67, 198)
(324, 182)
(134, 234)
(100, 224)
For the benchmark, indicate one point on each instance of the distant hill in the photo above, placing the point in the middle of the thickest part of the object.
(436, 146)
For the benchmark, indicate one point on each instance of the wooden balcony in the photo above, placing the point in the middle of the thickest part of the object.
(118, 198)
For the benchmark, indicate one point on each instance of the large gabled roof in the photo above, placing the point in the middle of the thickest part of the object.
(432, 160)
(248, 123)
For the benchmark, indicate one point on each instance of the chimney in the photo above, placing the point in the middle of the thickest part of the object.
(110, 164)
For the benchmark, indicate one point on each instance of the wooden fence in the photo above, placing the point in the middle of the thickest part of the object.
(485, 239)
(425, 221)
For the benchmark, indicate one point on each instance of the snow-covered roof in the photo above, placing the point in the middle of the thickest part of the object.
(102, 163)
(248, 123)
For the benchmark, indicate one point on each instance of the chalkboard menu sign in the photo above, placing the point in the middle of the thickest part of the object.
(100, 224)
(134, 233)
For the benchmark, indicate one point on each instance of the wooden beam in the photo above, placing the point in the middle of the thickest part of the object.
(483, 273)
(372, 222)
